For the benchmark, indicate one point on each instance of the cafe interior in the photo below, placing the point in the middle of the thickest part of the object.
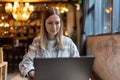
(93, 25)
(20, 22)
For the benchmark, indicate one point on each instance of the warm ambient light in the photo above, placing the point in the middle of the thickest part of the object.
(66, 33)
(20, 11)
(61, 7)
(4, 24)
(108, 10)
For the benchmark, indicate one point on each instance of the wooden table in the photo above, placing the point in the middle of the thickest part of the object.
(19, 77)
(3, 70)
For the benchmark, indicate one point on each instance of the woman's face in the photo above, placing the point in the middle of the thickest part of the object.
(52, 25)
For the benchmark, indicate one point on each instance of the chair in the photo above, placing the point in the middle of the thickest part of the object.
(3, 71)
(3, 66)
(7, 44)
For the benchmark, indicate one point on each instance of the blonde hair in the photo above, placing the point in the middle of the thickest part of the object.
(43, 32)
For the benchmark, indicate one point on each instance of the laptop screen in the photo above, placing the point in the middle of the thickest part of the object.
(63, 68)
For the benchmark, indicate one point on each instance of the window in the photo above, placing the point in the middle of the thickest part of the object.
(103, 17)
(116, 16)
(119, 16)
(106, 16)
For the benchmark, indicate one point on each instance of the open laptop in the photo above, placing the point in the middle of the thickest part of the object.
(63, 68)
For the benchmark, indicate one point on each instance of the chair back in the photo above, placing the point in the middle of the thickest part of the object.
(1, 55)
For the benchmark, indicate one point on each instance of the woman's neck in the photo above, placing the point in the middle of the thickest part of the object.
(51, 37)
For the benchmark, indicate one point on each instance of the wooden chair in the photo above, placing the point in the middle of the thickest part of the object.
(3, 71)
(3, 66)
(7, 44)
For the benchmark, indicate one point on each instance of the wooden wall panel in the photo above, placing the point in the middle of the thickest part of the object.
(106, 49)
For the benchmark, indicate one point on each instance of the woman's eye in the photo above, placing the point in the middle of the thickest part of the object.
(50, 23)
(56, 23)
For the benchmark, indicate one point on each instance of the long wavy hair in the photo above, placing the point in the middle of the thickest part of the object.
(43, 32)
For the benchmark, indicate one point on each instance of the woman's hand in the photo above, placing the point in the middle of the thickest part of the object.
(31, 73)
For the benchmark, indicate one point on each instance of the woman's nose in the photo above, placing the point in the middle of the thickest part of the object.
(54, 25)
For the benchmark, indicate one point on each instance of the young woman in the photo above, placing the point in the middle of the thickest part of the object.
(51, 43)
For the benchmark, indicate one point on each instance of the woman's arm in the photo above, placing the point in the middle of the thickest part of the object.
(73, 49)
(26, 64)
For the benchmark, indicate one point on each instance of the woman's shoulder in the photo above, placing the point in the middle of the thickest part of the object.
(67, 39)
(37, 38)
